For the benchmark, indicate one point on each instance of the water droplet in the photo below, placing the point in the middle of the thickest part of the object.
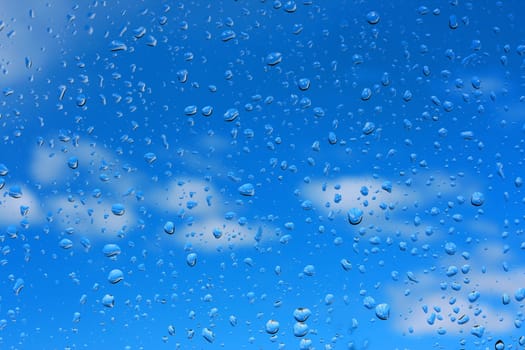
(450, 248)
(190, 110)
(272, 327)
(383, 311)
(18, 286)
(453, 22)
(368, 128)
(207, 111)
(15, 191)
(500, 345)
(355, 215)
(111, 250)
(300, 329)
(309, 270)
(347, 265)
(139, 32)
(366, 94)
(3, 169)
(169, 227)
(118, 209)
(72, 162)
(65, 243)
(477, 330)
(108, 300)
(477, 199)
(290, 6)
(227, 35)
(303, 84)
(247, 190)
(191, 259)
(81, 100)
(231, 114)
(117, 45)
(115, 276)
(273, 58)
(373, 17)
(208, 335)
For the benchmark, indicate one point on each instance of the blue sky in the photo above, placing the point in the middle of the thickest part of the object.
(209, 153)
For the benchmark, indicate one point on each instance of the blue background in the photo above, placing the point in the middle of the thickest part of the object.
(409, 111)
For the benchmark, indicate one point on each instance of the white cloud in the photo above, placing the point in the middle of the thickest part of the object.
(199, 209)
(10, 207)
(488, 310)
(90, 217)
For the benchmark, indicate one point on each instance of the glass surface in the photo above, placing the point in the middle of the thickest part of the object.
(260, 174)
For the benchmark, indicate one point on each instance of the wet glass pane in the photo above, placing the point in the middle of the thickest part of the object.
(262, 174)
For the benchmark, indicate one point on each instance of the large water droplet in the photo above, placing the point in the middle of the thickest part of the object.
(383, 311)
(300, 329)
(191, 259)
(477, 199)
(15, 191)
(273, 58)
(65, 243)
(111, 250)
(373, 17)
(208, 335)
(272, 327)
(231, 114)
(115, 276)
(108, 300)
(355, 216)
(169, 227)
(247, 189)
(118, 209)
